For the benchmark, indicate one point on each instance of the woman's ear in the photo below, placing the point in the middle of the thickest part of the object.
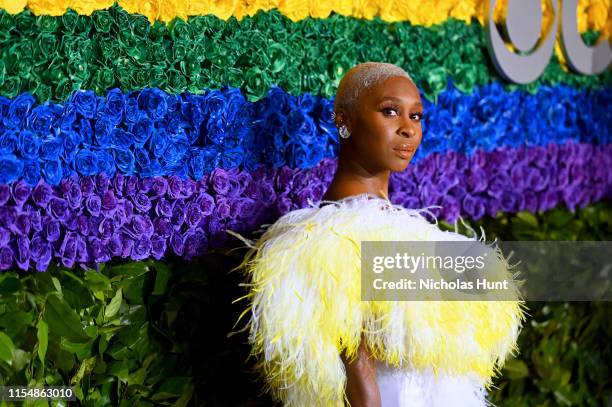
(340, 118)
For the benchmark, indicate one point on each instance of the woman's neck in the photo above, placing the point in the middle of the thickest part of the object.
(350, 183)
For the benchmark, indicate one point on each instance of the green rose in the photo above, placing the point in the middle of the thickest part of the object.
(42, 92)
(140, 26)
(179, 30)
(78, 70)
(190, 65)
(47, 23)
(64, 89)
(180, 49)
(109, 48)
(141, 77)
(157, 75)
(257, 83)
(46, 47)
(11, 86)
(175, 81)
(24, 21)
(70, 20)
(233, 77)
(7, 23)
(102, 21)
(435, 82)
(103, 80)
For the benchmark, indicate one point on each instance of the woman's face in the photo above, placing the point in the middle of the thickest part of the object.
(385, 125)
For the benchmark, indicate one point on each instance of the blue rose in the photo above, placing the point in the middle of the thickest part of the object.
(302, 156)
(153, 103)
(9, 142)
(31, 172)
(174, 153)
(132, 113)
(52, 171)
(67, 117)
(106, 163)
(141, 131)
(192, 111)
(202, 160)
(215, 130)
(158, 142)
(231, 158)
(18, 110)
(213, 104)
(301, 127)
(72, 141)
(11, 168)
(114, 106)
(104, 131)
(121, 139)
(85, 102)
(29, 144)
(86, 163)
(125, 161)
(4, 106)
(40, 119)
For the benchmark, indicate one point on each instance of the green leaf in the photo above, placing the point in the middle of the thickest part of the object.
(516, 369)
(56, 284)
(162, 275)
(528, 218)
(63, 320)
(130, 269)
(114, 305)
(42, 335)
(97, 281)
(9, 285)
(6, 347)
(86, 366)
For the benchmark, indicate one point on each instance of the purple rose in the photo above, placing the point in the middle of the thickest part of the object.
(5, 237)
(536, 178)
(40, 252)
(22, 224)
(142, 202)
(194, 214)
(131, 185)
(177, 243)
(145, 185)
(450, 208)
(142, 248)
(175, 185)
(493, 206)
(128, 245)
(74, 196)
(82, 255)
(8, 215)
(158, 246)
(530, 202)
(477, 180)
(497, 185)
(21, 192)
(98, 250)
(159, 186)
(6, 258)
(508, 201)
(5, 194)
(195, 243)
(222, 210)
(35, 219)
(23, 253)
(82, 225)
(473, 206)
(109, 201)
(219, 180)
(284, 205)
(93, 204)
(106, 228)
(67, 250)
(102, 183)
(206, 203)
(115, 246)
(163, 227)
(58, 208)
(141, 226)
(163, 208)
(41, 195)
(119, 184)
(88, 186)
(178, 214)
(188, 188)
(458, 191)
(52, 230)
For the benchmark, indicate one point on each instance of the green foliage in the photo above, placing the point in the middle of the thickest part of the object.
(152, 333)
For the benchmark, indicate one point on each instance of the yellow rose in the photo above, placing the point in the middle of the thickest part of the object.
(13, 6)
(49, 7)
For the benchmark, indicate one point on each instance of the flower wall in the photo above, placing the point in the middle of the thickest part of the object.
(136, 134)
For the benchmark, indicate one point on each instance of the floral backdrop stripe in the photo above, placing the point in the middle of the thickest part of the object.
(591, 13)
(152, 133)
(51, 57)
(91, 219)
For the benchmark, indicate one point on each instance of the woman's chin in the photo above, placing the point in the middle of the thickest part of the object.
(400, 167)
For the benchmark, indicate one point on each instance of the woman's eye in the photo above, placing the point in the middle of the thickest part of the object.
(417, 116)
(389, 111)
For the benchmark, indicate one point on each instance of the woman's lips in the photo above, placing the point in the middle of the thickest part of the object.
(404, 151)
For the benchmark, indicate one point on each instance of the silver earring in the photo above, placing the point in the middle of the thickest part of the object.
(333, 116)
(344, 132)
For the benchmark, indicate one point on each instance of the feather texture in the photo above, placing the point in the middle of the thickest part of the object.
(305, 306)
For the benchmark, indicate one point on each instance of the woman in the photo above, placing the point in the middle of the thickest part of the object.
(316, 342)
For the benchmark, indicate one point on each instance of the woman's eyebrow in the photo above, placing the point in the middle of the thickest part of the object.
(396, 99)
